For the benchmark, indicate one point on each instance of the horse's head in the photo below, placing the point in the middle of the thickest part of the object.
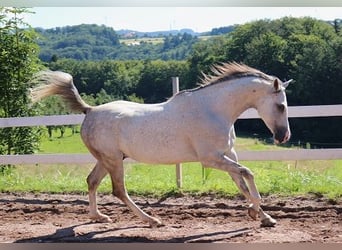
(273, 110)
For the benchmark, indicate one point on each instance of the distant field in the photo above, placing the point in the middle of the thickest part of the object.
(137, 41)
(153, 40)
(281, 178)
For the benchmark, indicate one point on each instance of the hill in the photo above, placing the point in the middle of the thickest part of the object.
(95, 42)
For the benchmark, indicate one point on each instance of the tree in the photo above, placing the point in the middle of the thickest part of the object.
(121, 77)
(267, 53)
(203, 56)
(18, 62)
(337, 23)
(155, 83)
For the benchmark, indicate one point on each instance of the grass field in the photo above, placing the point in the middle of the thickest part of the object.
(137, 41)
(281, 178)
(152, 40)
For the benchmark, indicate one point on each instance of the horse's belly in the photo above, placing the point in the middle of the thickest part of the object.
(162, 158)
(161, 149)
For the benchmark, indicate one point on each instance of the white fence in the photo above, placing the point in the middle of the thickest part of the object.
(273, 155)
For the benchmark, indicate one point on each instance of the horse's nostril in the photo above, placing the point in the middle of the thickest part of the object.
(287, 136)
(282, 136)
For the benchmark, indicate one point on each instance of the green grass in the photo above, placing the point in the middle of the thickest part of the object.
(281, 178)
(68, 144)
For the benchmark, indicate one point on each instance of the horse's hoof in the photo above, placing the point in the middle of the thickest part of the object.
(252, 212)
(154, 222)
(268, 222)
(101, 219)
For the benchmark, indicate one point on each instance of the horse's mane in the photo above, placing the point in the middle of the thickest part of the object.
(228, 71)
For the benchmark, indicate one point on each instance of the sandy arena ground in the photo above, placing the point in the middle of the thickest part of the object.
(64, 218)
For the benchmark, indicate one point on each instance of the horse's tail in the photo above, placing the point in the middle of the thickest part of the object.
(58, 83)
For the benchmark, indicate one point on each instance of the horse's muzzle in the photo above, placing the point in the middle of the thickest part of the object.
(282, 135)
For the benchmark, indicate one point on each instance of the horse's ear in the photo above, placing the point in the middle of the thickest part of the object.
(285, 84)
(276, 85)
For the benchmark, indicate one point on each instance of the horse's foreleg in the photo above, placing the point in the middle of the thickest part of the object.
(241, 184)
(119, 190)
(239, 174)
(255, 200)
(93, 180)
(254, 208)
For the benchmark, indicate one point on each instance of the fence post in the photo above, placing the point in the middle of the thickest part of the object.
(175, 90)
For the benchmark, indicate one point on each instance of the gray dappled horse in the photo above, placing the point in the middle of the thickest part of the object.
(194, 125)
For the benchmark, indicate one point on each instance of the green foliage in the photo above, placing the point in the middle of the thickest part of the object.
(18, 61)
(79, 42)
(205, 53)
(222, 30)
(155, 82)
(114, 78)
(94, 42)
(108, 80)
(267, 51)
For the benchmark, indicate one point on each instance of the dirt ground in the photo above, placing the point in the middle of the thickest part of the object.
(64, 218)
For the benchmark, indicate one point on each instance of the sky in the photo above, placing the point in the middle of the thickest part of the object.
(145, 19)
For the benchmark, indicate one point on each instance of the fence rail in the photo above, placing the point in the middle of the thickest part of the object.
(270, 155)
(294, 112)
(262, 155)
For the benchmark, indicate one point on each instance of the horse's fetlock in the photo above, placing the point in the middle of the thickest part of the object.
(118, 194)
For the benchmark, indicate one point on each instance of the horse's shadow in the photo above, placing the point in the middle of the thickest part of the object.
(68, 234)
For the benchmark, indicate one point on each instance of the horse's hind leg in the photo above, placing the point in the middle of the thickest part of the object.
(116, 172)
(93, 180)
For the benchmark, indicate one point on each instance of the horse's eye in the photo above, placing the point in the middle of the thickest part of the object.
(281, 107)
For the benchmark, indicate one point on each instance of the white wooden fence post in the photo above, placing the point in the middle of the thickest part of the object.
(175, 90)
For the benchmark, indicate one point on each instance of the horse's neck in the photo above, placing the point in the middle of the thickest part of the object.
(232, 99)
